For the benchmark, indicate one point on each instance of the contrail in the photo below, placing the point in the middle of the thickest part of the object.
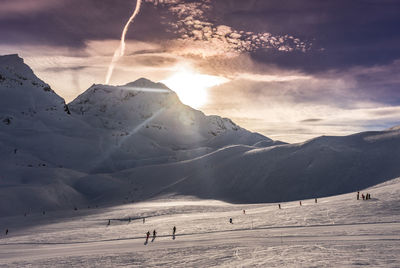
(119, 52)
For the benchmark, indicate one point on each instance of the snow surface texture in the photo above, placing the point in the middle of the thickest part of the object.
(115, 145)
(337, 231)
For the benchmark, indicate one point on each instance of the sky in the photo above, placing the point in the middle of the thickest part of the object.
(291, 70)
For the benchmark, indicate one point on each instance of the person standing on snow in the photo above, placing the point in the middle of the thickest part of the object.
(147, 237)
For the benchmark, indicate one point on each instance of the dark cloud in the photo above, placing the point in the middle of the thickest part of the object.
(311, 120)
(338, 34)
(61, 69)
(73, 22)
(155, 61)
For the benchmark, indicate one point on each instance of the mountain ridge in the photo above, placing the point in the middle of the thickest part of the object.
(115, 144)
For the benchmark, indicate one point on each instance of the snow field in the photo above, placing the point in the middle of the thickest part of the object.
(338, 231)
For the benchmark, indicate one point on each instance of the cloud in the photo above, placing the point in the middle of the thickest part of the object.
(311, 120)
(194, 24)
(10, 8)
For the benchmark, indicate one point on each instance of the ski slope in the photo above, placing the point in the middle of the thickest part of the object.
(338, 231)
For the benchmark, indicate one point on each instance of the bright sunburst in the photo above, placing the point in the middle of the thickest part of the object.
(191, 87)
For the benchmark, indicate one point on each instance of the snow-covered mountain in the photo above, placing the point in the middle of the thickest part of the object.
(116, 144)
(146, 123)
(47, 146)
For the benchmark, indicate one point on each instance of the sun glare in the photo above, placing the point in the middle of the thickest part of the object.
(191, 87)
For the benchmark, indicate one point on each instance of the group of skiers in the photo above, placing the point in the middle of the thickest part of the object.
(367, 196)
(155, 234)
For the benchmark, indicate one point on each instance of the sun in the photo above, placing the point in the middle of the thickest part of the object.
(192, 87)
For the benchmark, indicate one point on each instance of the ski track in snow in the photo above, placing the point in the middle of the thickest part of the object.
(338, 231)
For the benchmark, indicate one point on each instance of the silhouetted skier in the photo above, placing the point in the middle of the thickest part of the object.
(144, 220)
(316, 201)
(244, 211)
(300, 203)
(173, 232)
(363, 196)
(154, 235)
(109, 222)
(279, 206)
(230, 220)
(6, 231)
(358, 195)
(147, 237)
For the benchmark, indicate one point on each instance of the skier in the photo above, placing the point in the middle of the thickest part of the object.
(144, 220)
(244, 211)
(279, 206)
(154, 235)
(316, 200)
(358, 195)
(230, 220)
(300, 203)
(147, 237)
(363, 196)
(109, 222)
(6, 231)
(173, 230)
(129, 219)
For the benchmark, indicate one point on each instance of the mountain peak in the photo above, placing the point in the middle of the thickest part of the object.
(13, 67)
(146, 83)
(11, 59)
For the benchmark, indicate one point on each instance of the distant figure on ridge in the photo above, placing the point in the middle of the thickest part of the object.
(300, 203)
(230, 220)
(316, 201)
(109, 222)
(363, 196)
(279, 206)
(244, 211)
(358, 195)
(6, 231)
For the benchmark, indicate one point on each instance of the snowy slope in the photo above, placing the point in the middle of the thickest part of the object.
(320, 167)
(338, 231)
